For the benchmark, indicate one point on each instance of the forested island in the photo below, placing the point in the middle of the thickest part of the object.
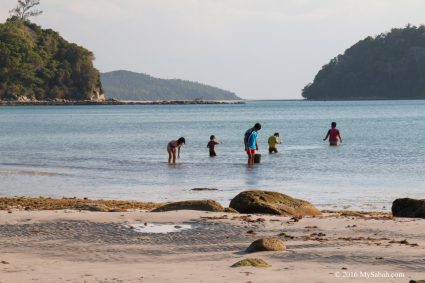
(388, 66)
(125, 85)
(39, 65)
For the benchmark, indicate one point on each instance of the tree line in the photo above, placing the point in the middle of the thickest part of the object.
(388, 66)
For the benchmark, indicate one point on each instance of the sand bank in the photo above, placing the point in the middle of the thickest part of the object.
(83, 246)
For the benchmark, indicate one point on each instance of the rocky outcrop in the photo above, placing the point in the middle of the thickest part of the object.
(98, 95)
(407, 207)
(266, 244)
(272, 203)
(254, 262)
(203, 205)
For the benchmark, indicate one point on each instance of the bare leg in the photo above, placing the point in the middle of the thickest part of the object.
(251, 158)
(174, 156)
(169, 155)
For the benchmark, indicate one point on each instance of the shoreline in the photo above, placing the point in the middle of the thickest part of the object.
(120, 205)
(118, 102)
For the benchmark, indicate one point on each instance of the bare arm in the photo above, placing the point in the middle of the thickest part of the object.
(327, 135)
(178, 152)
(340, 139)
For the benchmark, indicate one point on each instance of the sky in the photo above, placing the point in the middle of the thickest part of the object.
(259, 49)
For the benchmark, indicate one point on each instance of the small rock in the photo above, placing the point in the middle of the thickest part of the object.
(202, 205)
(204, 189)
(266, 244)
(255, 262)
(4, 262)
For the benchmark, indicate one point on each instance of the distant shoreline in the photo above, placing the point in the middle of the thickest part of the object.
(117, 102)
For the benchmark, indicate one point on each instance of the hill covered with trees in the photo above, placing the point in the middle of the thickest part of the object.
(125, 85)
(388, 66)
(38, 64)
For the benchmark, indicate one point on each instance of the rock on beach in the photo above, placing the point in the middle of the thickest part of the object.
(266, 244)
(407, 207)
(268, 202)
(203, 205)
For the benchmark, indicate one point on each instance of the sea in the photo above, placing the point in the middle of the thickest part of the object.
(119, 152)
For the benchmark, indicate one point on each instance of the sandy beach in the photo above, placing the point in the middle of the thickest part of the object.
(84, 246)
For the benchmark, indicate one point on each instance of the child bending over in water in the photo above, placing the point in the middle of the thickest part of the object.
(211, 145)
(172, 147)
(333, 135)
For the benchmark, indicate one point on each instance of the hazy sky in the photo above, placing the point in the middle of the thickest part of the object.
(265, 49)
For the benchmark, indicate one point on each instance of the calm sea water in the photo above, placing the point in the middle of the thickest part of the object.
(119, 152)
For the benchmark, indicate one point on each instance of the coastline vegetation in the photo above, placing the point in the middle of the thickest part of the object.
(388, 66)
(126, 85)
(38, 64)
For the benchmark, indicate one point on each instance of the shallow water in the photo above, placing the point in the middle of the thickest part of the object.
(119, 152)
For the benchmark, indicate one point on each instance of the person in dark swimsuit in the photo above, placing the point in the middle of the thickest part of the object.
(211, 145)
(333, 135)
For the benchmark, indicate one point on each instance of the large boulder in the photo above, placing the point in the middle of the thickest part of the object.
(266, 244)
(272, 203)
(407, 207)
(203, 205)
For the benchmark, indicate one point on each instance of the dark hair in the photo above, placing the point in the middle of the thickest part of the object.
(181, 140)
(276, 134)
(257, 126)
(333, 125)
(212, 137)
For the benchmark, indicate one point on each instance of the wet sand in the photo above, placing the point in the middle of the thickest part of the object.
(83, 246)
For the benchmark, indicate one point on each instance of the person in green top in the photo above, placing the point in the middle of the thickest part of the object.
(273, 141)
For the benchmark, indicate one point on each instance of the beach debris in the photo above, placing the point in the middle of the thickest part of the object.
(248, 219)
(251, 232)
(351, 239)
(204, 189)
(202, 205)
(344, 268)
(310, 227)
(407, 207)
(379, 257)
(318, 235)
(286, 236)
(266, 244)
(268, 202)
(254, 262)
(403, 242)
(4, 262)
(215, 217)
(417, 281)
